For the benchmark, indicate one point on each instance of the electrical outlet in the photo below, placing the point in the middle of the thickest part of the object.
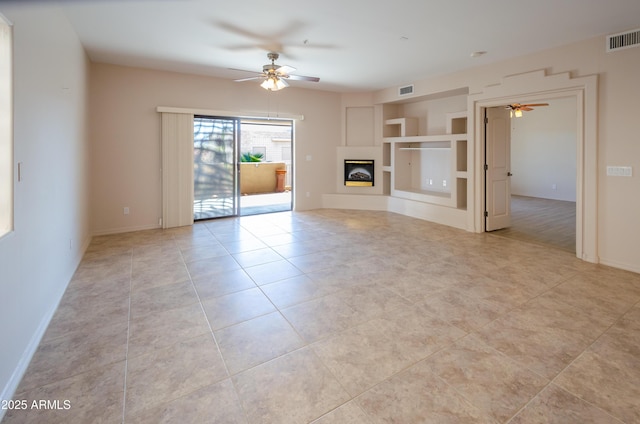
(444, 183)
(126, 210)
(554, 187)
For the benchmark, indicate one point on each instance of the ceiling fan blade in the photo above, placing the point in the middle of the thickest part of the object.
(249, 79)
(303, 78)
(244, 70)
(525, 108)
(535, 104)
(285, 69)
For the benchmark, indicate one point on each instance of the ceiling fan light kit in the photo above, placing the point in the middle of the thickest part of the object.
(274, 78)
(273, 83)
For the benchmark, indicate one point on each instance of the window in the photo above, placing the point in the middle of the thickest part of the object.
(261, 150)
(6, 129)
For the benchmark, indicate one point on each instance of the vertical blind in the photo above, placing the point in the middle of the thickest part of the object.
(177, 169)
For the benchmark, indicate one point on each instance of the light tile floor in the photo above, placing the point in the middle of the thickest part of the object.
(336, 316)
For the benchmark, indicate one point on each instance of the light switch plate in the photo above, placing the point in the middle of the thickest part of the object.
(619, 171)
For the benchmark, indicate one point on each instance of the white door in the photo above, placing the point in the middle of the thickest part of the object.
(497, 168)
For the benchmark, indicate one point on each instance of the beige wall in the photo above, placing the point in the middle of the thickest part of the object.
(51, 232)
(259, 177)
(543, 151)
(618, 129)
(125, 137)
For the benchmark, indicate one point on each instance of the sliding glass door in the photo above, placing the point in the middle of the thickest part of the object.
(215, 167)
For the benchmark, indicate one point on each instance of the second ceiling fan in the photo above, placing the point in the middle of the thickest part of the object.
(517, 108)
(274, 77)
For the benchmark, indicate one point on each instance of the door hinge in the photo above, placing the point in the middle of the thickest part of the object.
(486, 120)
(486, 214)
(486, 167)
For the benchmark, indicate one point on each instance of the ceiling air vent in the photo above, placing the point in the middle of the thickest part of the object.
(623, 40)
(407, 89)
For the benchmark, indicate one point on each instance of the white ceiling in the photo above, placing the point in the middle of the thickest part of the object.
(351, 45)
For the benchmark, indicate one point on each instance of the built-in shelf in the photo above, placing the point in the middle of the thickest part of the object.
(461, 155)
(386, 154)
(424, 148)
(405, 126)
(427, 168)
(426, 138)
(433, 193)
(386, 180)
(457, 122)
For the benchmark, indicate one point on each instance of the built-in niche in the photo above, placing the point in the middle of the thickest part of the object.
(427, 168)
(424, 167)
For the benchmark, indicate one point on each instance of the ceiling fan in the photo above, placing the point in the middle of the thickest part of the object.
(517, 108)
(274, 77)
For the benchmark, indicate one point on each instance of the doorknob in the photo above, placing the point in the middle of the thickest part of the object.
(509, 174)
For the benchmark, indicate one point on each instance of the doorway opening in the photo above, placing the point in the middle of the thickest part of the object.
(533, 87)
(241, 166)
(543, 173)
(539, 174)
(266, 165)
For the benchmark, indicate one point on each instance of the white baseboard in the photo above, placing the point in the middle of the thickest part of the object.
(355, 201)
(621, 265)
(434, 213)
(125, 230)
(8, 391)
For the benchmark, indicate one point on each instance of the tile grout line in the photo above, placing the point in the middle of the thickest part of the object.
(206, 317)
(305, 344)
(552, 381)
(208, 325)
(226, 367)
(126, 353)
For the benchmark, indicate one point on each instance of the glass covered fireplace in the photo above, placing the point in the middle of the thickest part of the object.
(358, 172)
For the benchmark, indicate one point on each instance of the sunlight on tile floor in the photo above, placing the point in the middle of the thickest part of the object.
(335, 316)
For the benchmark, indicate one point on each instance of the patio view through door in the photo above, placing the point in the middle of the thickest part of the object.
(266, 166)
(215, 167)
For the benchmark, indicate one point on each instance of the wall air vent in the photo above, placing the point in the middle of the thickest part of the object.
(623, 40)
(407, 89)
